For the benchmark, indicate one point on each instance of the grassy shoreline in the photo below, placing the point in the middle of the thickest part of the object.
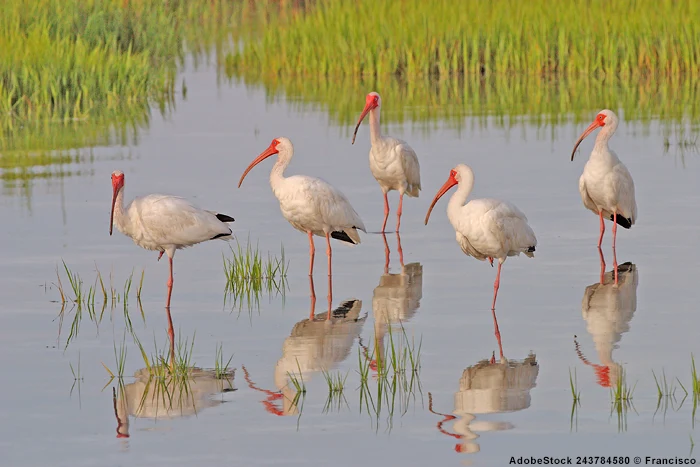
(440, 38)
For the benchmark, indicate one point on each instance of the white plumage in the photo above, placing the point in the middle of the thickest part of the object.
(146, 398)
(164, 223)
(485, 228)
(608, 307)
(310, 204)
(606, 185)
(392, 161)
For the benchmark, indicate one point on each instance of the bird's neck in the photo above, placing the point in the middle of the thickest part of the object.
(277, 174)
(601, 150)
(121, 216)
(458, 200)
(375, 132)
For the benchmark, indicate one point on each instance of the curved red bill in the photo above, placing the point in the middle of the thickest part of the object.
(451, 181)
(368, 106)
(596, 123)
(271, 150)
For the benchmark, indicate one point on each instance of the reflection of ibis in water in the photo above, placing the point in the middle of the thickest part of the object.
(148, 398)
(488, 387)
(396, 299)
(315, 344)
(608, 309)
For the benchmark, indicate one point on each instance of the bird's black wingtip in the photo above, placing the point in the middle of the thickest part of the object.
(622, 221)
(531, 249)
(225, 218)
(342, 236)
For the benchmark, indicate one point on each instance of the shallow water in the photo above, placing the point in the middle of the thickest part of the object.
(443, 299)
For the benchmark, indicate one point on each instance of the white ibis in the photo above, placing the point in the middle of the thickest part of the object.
(606, 185)
(310, 204)
(164, 223)
(393, 162)
(485, 228)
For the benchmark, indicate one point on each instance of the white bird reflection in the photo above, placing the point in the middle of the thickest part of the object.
(485, 388)
(315, 344)
(608, 309)
(396, 299)
(150, 397)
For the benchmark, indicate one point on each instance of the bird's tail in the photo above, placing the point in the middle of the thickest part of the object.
(413, 190)
(348, 235)
(530, 252)
(224, 217)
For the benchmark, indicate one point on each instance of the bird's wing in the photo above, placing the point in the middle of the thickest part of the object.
(331, 204)
(623, 186)
(410, 165)
(499, 225)
(172, 220)
(585, 197)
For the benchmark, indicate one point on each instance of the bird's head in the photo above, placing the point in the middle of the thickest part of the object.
(461, 173)
(604, 118)
(372, 101)
(278, 145)
(117, 184)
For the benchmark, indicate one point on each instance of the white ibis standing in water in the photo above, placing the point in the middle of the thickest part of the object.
(164, 223)
(310, 204)
(606, 185)
(485, 228)
(393, 162)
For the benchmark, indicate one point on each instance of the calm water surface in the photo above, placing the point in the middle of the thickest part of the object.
(481, 414)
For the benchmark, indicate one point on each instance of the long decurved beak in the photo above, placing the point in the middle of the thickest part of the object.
(271, 150)
(115, 190)
(368, 106)
(445, 188)
(588, 131)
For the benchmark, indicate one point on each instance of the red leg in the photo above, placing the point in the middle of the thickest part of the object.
(602, 228)
(496, 332)
(329, 253)
(160, 255)
(398, 239)
(614, 228)
(386, 212)
(330, 295)
(602, 265)
(398, 213)
(496, 284)
(312, 313)
(170, 283)
(312, 252)
(615, 264)
(171, 335)
(387, 252)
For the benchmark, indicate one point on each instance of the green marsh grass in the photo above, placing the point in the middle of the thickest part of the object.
(249, 275)
(77, 376)
(297, 380)
(222, 369)
(397, 378)
(628, 38)
(575, 400)
(621, 395)
(92, 299)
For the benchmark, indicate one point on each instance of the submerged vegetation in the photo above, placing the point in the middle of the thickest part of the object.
(249, 275)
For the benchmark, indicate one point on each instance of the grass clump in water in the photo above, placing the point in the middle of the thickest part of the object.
(249, 274)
